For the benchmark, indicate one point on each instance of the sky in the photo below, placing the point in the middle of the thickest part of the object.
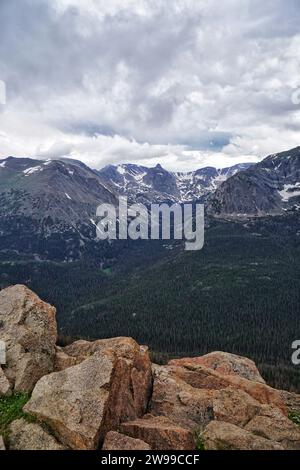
(184, 83)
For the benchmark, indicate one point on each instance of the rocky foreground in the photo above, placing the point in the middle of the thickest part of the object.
(107, 394)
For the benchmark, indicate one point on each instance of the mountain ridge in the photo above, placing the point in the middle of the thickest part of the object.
(271, 187)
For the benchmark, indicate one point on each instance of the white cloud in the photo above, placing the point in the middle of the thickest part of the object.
(185, 83)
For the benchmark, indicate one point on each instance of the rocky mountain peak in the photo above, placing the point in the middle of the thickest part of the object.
(271, 187)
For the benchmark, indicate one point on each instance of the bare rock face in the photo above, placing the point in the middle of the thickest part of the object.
(5, 387)
(235, 406)
(62, 360)
(31, 436)
(82, 403)
(292, 401)
(271, 424)
(201, 377)
(226, 436)
(172, 397)
(190, 395)
(117, 441)
(28, 328)
(2, 446)
(160, 433)
(226, 364)
(127, 352)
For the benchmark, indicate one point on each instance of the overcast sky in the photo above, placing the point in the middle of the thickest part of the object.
(186, 83)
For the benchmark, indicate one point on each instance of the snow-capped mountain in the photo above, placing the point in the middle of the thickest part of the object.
(144, 184)
(49, 207)
(271, 187)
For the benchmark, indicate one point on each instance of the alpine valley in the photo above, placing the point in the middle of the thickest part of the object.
(241, 293)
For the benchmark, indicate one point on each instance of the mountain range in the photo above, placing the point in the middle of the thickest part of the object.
(240, 293)
(143, 184)
(47, 208)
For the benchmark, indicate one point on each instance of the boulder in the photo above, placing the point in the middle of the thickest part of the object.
(63, 360)
(28, 329)
(270, 423)
(185, 405)
(226, 436)
(226, 364)
(201, 377)
(82, 403)
(127, 351)
(292, 401)
(235, 406)
(2, 446)
(160, 433)
(117, 441)
(31, 436)
(5, 387)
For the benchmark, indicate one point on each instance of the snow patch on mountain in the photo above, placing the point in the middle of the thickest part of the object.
(289, 191)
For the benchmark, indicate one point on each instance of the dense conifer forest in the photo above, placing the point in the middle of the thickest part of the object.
(240, 294)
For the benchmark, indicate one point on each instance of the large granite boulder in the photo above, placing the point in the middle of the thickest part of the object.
(191, 395)
(226, 436)
(110, 385)
(117, 441)
(160, 433)
(226, 364)
(28, 329)
(292, 401)
(271, 424)
(201, 377)
(174, 398)
(235, 406)
(31, 436)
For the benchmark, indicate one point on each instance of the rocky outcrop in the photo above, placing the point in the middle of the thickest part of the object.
(136, 384)
(107, 394)
(81, 403)
(292, 401)
(117, 441)
(196, 380)
(28, 329)
(271, 424)
(235, 406)
(160, 433)
(31, 436)
(181, 402)
(226, 364)
(225, 436)
(251, 412)
(203, 378)
(62, 360)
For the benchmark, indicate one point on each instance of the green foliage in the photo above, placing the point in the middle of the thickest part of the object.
(199, 441)
(295, 417)
(11, 408)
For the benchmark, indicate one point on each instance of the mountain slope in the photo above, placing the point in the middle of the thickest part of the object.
(156, 184)
(271, 187)
(45, 200)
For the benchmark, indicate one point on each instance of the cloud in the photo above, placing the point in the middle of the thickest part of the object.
(184, 83)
